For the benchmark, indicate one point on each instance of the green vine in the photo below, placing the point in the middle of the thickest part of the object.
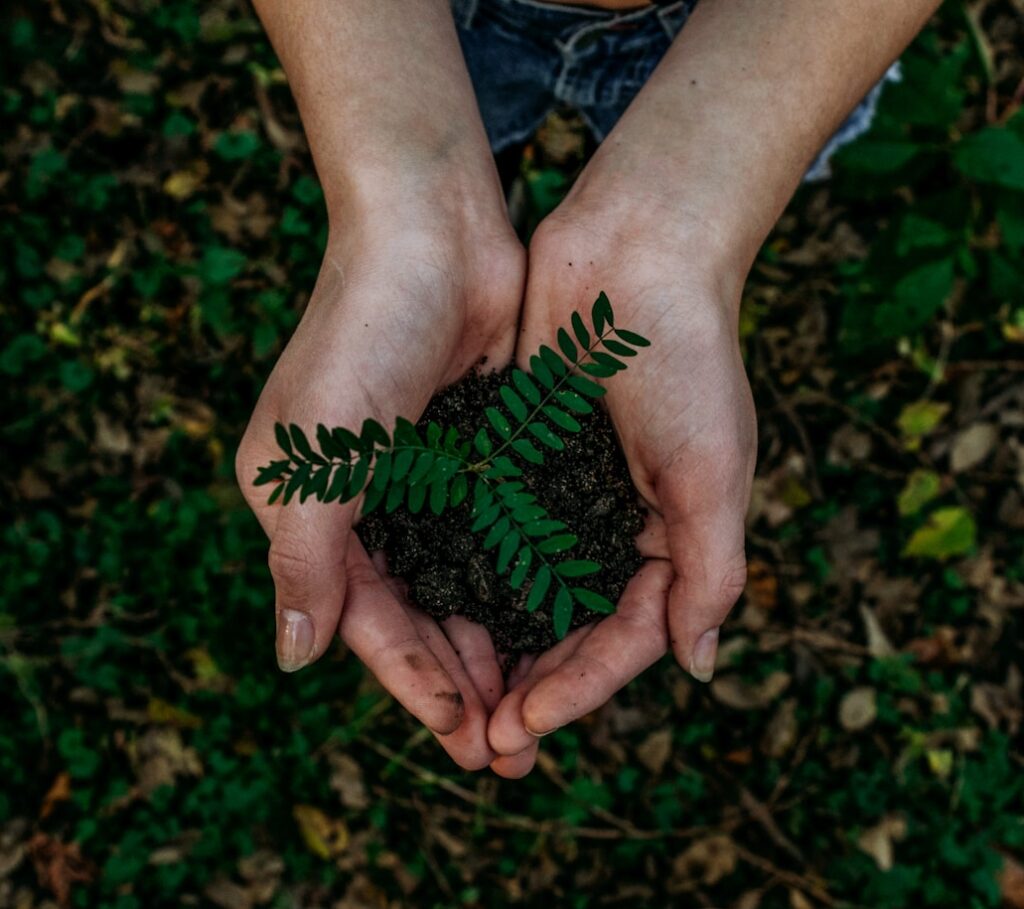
(441, 470)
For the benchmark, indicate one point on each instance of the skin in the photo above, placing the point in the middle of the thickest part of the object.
(423, 276)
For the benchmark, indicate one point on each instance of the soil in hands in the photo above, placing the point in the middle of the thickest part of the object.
(443, 564)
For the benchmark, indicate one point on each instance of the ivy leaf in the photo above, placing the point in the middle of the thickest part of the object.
(562, 613)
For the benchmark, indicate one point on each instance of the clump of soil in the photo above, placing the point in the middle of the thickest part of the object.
(443, 563)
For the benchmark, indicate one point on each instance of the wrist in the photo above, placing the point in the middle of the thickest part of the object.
(632, 243)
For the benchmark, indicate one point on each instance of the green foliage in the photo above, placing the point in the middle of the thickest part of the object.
(441, 470)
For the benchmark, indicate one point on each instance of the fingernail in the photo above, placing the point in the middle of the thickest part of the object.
(538, 735)
(294, 639)
(702, 661)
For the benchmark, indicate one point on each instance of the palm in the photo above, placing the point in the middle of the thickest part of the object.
(377, 340)
(685, 418)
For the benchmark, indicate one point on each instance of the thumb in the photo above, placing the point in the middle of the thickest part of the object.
(307, 563)
(704, 522)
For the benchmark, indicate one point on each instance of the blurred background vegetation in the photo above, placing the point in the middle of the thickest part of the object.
(861, 744)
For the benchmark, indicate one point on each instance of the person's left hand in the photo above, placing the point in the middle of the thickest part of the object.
(684, 415)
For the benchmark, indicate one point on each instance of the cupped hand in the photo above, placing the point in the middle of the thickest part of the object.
(397, 313)
(684, 415)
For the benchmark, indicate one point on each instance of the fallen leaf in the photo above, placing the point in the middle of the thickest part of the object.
(60, 791)
(655, 750)
(858, 709)
(738, 694)
(918, 419)
(1011, 882)
(706, 861)
(347, 780)
(782, 731)
(879, 645)
(948, 532)
(878, 841)
(971, 446)
(324, 836)
(59, 866)
(922, 486)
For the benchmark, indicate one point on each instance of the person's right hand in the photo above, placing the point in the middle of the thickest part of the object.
(402, 307)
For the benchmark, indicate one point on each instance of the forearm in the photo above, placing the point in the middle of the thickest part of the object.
(386, 102)
(719, 138)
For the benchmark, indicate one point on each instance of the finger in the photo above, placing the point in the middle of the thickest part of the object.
(516, 766)
(307, 563)
(506, 732)
(473, 646)
(704, 519)
(467, 744)
(619, 649)
(380, 632)
(652, 541)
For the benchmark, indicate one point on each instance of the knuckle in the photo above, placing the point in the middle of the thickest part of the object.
(293, 567)
(734, 580)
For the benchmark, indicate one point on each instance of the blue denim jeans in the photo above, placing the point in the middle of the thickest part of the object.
(526, 57)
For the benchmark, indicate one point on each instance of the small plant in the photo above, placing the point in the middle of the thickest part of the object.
(441, 470)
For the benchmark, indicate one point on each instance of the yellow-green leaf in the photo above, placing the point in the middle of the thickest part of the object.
(324, 836)
(919, 419)
(922, 486)
(948, 532)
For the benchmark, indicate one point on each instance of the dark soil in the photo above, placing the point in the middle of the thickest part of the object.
(444, 565)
